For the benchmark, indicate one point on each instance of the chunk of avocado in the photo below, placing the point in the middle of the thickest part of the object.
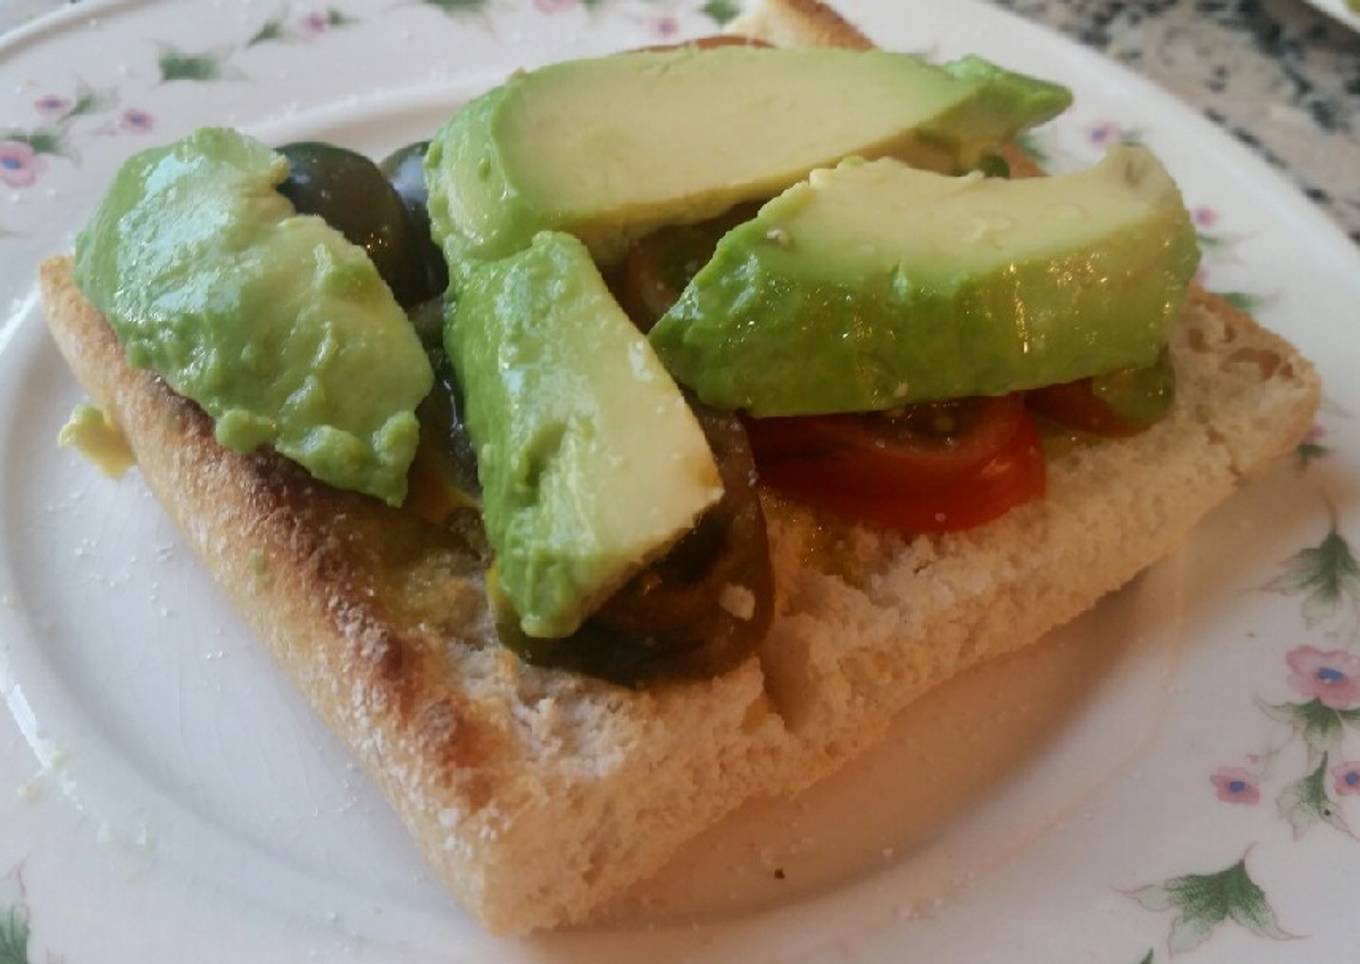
(873, 285)
(1138, 396)
(611, 148)
(275, 324)
(590, 460)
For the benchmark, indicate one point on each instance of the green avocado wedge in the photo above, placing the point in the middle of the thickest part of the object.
(873, 285)
(610, 148)
(276, 325)
(590, 460)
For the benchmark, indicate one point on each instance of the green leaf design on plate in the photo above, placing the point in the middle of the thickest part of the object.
(271, 29)
(177, 64)
(1147, 958)
(1211, 242)
(1319, 725)
(1305, 803)
(91, 101)
(1306, 452)
(14, 928)
(459, 6)
(14, 935)
(43, 140)
(1241, 300)
(721, 11)
(1207, 900)
(277, 28)
(1326, 575)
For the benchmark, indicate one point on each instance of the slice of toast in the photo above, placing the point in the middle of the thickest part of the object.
(538, 794)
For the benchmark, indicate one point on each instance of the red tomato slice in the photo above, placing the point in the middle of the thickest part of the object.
(879, 470)
(932, 444)
(1074, 404)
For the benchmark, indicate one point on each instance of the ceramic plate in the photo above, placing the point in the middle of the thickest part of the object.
(1176, 774)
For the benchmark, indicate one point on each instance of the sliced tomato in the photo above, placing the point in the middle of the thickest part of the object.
(924, 444)
(1075, 405)
(941, 468)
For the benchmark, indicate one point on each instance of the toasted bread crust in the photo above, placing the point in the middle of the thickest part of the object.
(262, 524)
(468, 744)
(867, 629)
(799, 23)
(536, 794)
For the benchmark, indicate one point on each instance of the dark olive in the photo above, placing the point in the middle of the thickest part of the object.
(351, 194)
(404, 169)
(428, 320)
(697, 611)
(442, 429)
(660, 265)
(994, 165)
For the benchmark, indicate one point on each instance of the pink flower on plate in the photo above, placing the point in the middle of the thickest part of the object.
(556, 6)
(1236, 785)
(1104, 133)
(137, 121)
(1347, 777)
(50, 105)
(1332, 678)
(1204, 216)
(665, 27)
(314, 24)
(20, 164)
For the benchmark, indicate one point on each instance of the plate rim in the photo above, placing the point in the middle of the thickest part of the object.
(1091, 61)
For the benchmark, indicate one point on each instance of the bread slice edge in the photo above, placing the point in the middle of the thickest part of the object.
(534, 820)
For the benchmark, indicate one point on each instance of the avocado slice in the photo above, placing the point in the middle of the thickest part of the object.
(610, 148)
(873, 285)
(590, 460)
(277, 326)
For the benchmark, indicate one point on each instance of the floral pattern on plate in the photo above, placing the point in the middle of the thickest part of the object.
(15, 932)
(69, 116)
(1326, 578)
(60, 128)
(215, 63)
(1204, 902)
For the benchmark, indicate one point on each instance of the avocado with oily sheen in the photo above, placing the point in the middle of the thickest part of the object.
(590, 460)
(282, 330)
(611, 148)
(873, 285)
